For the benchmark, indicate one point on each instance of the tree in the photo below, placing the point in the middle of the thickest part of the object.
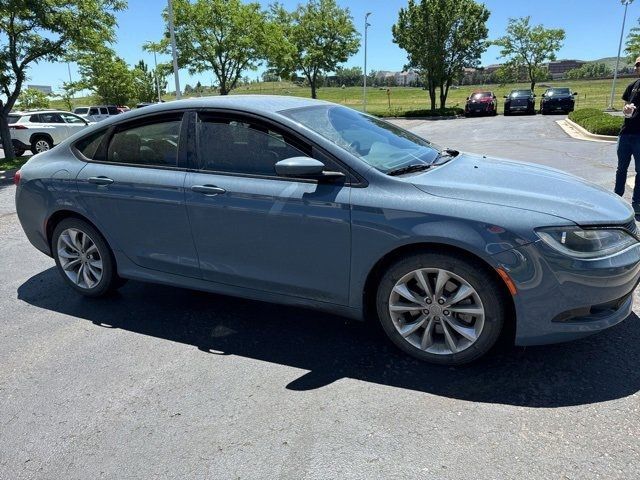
(529, 47)
(349, 77)
(441, 38)
(69, 89)
(316, 37)
(144, 83)
(32, 98)
(44, 30)
(590, 70)
(225, 36)
(632, 45)
(107, 75)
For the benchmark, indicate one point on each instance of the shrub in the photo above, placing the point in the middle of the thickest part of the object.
(597, 121)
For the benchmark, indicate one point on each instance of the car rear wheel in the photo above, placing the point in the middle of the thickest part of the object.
(41, 144)
(83, 258)
(18, 152)
(440, 309)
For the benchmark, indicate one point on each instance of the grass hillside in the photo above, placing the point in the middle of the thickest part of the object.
(591, 93)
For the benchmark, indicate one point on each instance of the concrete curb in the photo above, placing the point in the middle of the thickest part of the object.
(574, 130)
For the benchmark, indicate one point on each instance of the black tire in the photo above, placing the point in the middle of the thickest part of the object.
(38, 142)
(18, 152)
(109, 280)
(476, 275)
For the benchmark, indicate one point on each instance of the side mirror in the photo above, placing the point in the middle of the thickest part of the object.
(534, 95)
(574, 93)
(505, 97)
(305, 167)
(467, 98)
(299, 166)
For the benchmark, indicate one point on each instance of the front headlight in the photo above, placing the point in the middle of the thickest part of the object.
(586, 243)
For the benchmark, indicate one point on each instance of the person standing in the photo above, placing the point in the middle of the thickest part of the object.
(629, 141)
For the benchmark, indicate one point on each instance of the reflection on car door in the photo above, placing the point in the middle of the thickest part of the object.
(255, 230)
(136, 191)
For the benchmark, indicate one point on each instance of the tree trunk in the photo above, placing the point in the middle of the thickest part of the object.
(5, 134)
(533, 85)
(432, 94)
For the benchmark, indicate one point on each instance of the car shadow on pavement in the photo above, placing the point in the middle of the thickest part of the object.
(596, 369)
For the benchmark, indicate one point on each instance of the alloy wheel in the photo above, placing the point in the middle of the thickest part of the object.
(42, 146)
(80, 258)
(436, 311)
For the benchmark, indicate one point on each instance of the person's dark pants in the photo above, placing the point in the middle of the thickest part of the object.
(628, 145)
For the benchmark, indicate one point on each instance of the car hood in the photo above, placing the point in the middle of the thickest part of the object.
(525, 186)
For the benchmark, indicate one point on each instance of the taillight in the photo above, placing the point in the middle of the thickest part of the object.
(17, 127)
(16, 178)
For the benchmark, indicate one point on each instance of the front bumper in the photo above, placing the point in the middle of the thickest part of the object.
(560, 298)
(563, 105)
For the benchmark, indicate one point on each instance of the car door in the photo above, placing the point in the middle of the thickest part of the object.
(133, 188)
(256, 230)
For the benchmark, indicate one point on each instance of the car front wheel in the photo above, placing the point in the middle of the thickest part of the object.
(83, 258)
(440, 308)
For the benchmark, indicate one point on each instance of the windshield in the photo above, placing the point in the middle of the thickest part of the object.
(380, 144)
(520, 93)
(558, 91)
(478, 96)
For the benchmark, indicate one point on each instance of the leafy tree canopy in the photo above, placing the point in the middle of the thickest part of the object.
(529, 47)
(45, 30)
(441, 37)
(316, 37)
(225, 36)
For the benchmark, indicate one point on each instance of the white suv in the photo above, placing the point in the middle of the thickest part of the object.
(96, 113)
(40, 130)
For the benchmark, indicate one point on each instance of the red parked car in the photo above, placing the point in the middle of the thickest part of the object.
(481, 103)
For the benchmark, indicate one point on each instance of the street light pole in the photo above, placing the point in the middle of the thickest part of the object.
(174, 51)
(626, 3)
(364, 89)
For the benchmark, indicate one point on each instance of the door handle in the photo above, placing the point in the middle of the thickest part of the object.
(100, 180)
(208, 190)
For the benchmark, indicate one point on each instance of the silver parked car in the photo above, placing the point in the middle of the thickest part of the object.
(305, 202)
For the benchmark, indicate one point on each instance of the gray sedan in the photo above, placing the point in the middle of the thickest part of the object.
(310, 203)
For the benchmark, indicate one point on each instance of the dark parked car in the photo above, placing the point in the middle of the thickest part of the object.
(310, 203)
(520, 101)
(558, 99)
(481, 103)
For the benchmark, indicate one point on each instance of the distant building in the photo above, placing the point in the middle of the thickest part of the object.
(559, 68)
(46, 89)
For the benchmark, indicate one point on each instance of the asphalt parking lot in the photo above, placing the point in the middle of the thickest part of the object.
(160, 382)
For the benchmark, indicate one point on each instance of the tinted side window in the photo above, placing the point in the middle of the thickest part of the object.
(89, 145)
(113, 110)
(150, 144)
(93, 111)
(35, 119)
(232, 146)
(104, 111)
(51, 118)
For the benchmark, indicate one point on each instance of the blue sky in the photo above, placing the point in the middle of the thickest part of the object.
(592, 31)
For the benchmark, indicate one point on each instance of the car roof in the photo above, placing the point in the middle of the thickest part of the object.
(35, 112)
(264, 104)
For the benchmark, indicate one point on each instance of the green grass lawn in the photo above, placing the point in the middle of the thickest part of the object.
(591, 93)
(17, 163)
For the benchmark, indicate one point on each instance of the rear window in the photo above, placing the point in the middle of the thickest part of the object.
(88, 145)
(13, 118)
